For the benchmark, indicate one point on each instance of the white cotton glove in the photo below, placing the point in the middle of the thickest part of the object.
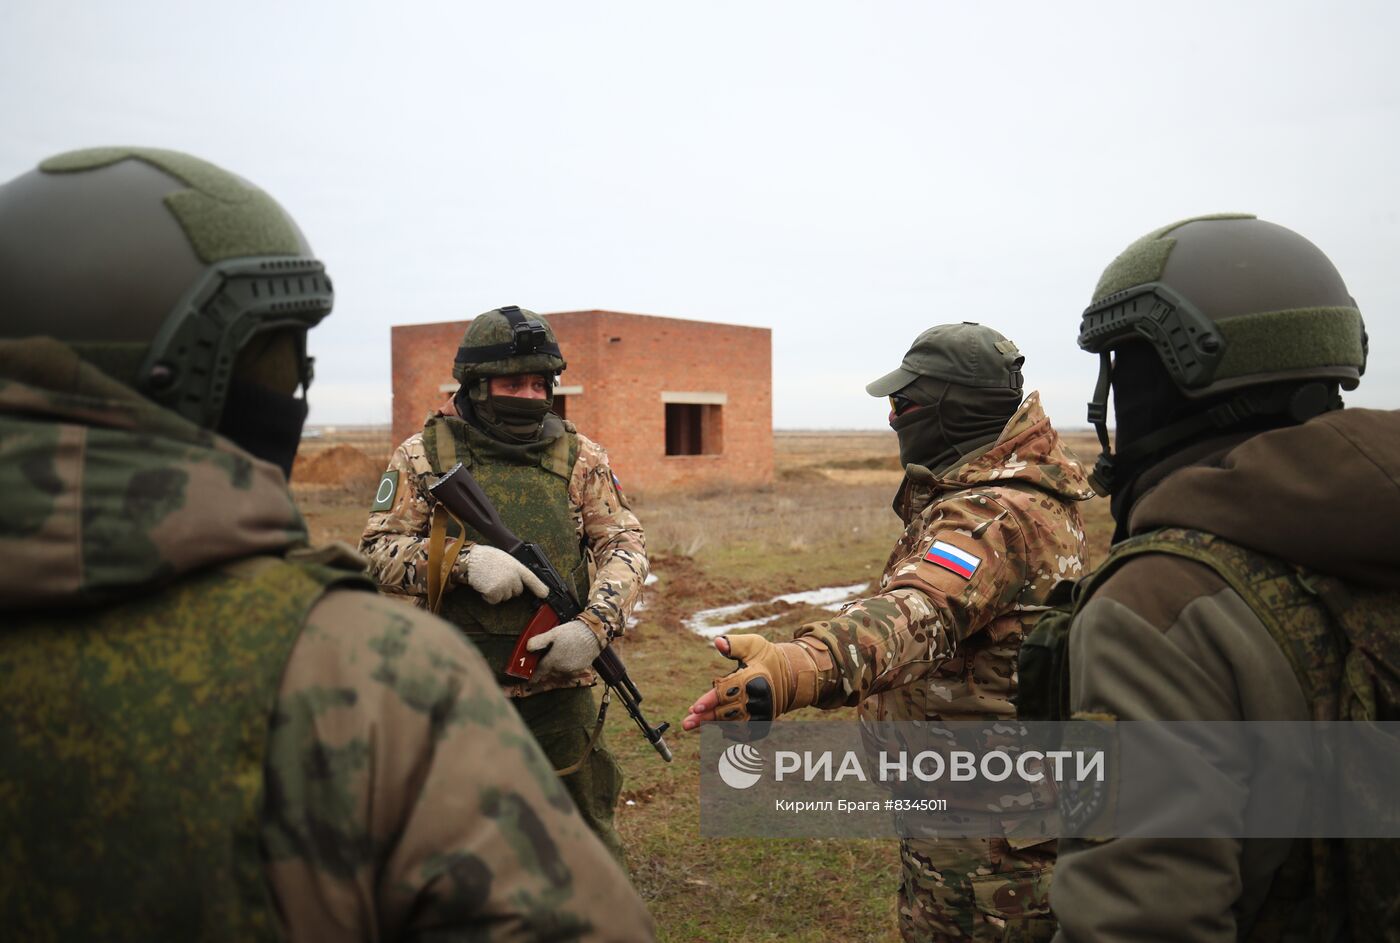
(498, 576)
(572, 647)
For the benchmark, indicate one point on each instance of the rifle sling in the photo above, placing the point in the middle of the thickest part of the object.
(593, 738)
(441, 555)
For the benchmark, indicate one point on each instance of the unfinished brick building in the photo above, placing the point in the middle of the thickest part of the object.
(676, 403)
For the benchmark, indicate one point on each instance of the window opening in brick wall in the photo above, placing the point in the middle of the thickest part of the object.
(694, 429)
(560, 407)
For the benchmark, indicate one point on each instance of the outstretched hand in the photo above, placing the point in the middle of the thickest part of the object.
(703, 710)
(761, 687)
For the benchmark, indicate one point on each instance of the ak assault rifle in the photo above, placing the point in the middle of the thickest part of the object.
(459, 493)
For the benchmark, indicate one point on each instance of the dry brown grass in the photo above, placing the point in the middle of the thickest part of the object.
(372, 440)
(831, 490)
(790, 516)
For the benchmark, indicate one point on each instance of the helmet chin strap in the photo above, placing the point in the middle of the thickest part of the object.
(1101, 478)
(1298, 403)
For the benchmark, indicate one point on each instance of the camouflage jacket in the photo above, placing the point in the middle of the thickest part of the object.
(401, 794)
(396, 542)
(982, 546)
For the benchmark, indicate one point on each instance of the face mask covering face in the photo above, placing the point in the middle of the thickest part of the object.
(949, 421)
(266, 423)
(514, 419)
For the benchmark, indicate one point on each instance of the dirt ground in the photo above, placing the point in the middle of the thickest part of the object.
(825, 521)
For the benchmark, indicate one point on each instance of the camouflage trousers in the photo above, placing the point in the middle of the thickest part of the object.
(974, 889)
(562, 722)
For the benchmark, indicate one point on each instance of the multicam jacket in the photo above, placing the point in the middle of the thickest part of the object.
(396, 542)
(982, 548)
(383, 789)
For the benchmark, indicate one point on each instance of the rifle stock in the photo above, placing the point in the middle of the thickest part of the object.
(462, 496)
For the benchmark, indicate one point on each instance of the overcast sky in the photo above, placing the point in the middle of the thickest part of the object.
(847, 174)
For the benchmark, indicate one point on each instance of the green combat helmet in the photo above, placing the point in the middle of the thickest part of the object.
(1249, 319)
(503, 342)
(160, 268)
(506, 341)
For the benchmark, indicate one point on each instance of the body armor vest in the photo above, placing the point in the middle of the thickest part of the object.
(529, 485)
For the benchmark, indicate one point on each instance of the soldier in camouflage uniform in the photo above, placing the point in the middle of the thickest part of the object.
(209, 730)
(1247, 502)
(553, 487)
(988, 501)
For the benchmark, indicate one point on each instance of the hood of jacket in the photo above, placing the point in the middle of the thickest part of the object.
(1324, 494)
(1028, 451)
(108, 495)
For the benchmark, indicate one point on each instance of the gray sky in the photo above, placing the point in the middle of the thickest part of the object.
(847, 174)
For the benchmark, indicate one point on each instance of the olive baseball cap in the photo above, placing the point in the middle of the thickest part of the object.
(967, 354)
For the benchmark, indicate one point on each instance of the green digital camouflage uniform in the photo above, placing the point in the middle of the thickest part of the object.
(935, 645)
(202, 737)
(1166, 638)
(559, 709)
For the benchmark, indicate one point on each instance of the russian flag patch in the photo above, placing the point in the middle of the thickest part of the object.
(953, 558)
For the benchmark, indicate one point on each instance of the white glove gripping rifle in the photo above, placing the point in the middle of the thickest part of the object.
(458, 492)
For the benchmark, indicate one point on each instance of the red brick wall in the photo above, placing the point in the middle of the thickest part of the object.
(624, 362)
(422, 361)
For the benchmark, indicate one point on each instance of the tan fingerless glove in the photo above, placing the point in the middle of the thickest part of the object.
(772, 678)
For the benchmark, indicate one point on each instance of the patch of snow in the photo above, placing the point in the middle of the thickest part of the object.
(700, 622)
(710, 623)
(712, 631)
(822, 597)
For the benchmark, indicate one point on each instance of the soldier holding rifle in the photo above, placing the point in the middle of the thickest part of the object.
(553, 487)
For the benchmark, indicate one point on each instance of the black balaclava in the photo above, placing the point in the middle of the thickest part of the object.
(262, 414)
(952, 421)
(264, 422)
(514, 420)
(1145, 400)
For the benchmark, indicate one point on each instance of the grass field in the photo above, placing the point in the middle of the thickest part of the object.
(825, 521)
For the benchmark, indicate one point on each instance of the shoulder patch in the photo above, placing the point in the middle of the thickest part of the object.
(953, 558)
(617, 489)
(385, 492)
